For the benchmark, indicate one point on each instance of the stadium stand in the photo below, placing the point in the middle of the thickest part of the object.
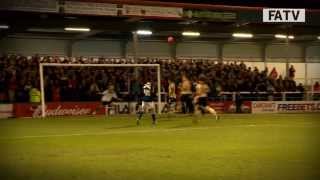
(20, 73)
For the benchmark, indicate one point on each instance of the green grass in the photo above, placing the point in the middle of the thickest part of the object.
(245, 147)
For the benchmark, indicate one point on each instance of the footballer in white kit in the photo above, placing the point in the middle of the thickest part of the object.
(108, 96)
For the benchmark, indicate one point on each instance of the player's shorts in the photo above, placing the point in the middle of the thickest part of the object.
(171, 100)
(147, 99)
(202, 101)
(107, 103)
(147, 105)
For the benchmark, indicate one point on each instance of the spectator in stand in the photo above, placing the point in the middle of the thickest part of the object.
(21, 94)
(316, 91)
(136, 89)
(35, 95)
(94, 90)
(300, 89)
(56, 91)
(3, 87)
(12, 88)
(72, 87)
(316, 87)
(292, 72)
(274, 73)
(270, 90)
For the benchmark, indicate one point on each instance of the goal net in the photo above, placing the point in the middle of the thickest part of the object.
(78, 74)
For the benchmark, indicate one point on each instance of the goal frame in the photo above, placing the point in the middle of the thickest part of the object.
(42, 65)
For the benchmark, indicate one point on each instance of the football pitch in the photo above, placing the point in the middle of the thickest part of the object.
(245, 146)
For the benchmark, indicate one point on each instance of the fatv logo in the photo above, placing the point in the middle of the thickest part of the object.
(284, 15)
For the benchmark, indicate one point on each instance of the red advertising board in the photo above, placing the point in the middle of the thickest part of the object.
(59, 109)
(218, 106)
(230, 106)
(95, 108)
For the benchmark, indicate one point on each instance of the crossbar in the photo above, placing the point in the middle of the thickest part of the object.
(101, 65)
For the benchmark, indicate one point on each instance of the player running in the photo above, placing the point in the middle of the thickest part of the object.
(186, 95)
(147, 104)
(201, 98)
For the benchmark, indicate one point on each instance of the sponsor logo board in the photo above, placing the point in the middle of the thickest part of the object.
(91, 8)
(73, 109)
(298, 106)
(285, 106)
(152, 11)
(230, 107)
(59, 109)
(6, 110)
(263, 106)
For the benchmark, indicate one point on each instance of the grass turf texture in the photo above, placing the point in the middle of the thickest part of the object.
(246, 146)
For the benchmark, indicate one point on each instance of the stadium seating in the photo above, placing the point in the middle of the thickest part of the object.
(19, 73)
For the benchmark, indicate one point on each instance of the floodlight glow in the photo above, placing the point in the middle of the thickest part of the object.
(144, 32)
(319, 37)
(77, 29)
(190, 33)
(4, 26)
(242, 35)
(280, 36)
(290, 37)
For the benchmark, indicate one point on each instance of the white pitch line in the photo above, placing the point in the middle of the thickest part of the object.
(105, 133)
(153, 130)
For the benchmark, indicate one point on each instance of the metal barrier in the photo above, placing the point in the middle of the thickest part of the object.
(257, 96)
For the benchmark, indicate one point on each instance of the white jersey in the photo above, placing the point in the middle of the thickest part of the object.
(147, 103)
(147, 91)
(107, 96)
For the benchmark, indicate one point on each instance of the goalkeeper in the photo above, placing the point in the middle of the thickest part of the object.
(108, 97)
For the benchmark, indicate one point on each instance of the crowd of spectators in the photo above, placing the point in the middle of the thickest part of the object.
(18, 74)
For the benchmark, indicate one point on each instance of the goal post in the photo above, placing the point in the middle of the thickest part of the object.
(42, 65)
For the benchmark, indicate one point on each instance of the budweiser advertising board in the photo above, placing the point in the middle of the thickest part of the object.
(59, 109)
(95, 108)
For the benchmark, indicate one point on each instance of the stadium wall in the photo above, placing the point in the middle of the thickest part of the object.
(30, 46)
(273, 52)
(97, 48)
(313, 53)
(282, 52)
(243, 50)
(197, 49)
(254, 54)
(149, 48)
